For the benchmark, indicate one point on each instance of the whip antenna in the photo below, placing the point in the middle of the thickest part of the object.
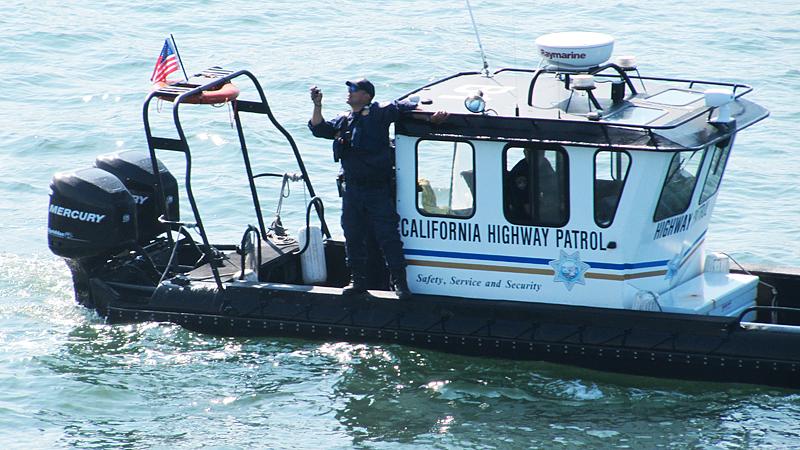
(478, 37)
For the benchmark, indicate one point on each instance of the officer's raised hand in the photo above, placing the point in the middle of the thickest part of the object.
(316, 95)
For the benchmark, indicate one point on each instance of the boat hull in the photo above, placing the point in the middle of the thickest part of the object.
(634, 342)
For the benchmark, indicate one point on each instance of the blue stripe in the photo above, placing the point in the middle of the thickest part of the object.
(522, 259)
(702, 235)
(479, 256)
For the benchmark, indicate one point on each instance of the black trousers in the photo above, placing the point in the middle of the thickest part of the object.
(369, 210)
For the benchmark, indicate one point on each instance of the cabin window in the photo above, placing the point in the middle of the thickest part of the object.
(610, 173)
(715, 169)
(679, 184)
(536, 186)
(445, 178)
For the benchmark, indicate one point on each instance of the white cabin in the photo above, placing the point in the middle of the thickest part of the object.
(580, 185)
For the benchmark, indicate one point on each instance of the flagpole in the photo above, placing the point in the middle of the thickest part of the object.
(178, 54)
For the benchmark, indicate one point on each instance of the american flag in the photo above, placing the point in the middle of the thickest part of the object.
(166, 64)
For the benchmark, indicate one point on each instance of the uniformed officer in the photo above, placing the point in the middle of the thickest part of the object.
(540, 185)
(361, 142)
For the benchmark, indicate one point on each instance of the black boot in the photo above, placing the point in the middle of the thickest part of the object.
(358, 285)
(400, 284)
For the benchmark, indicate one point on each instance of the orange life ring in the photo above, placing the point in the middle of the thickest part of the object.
(224, 93)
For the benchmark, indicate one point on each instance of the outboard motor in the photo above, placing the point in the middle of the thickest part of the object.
(91, 214)
(135, 170)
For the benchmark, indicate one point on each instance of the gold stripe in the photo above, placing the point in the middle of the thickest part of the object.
(487, 268)
(654, 273)
(604, 276)
(627, 276)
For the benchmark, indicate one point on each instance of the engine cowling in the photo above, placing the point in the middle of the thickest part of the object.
(91, 213)
(135, 170)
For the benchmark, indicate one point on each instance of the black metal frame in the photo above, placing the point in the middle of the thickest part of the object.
(594, 71)
(179, 94)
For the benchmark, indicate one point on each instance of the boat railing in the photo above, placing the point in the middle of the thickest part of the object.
(607, 128)
(628, 78)
(776, 327)
(211, 79)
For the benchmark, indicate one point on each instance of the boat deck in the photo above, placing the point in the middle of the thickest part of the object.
(275, 256)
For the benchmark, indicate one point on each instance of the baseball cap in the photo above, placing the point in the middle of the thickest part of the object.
(364, 85)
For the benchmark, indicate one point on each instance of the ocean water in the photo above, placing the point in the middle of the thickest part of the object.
(74, 75)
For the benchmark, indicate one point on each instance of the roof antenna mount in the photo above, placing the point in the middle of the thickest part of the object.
(478, 37)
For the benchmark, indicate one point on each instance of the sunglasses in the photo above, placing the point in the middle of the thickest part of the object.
(352, 88)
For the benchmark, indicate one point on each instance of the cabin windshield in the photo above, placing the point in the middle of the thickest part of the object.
(536, 186)
(679, 184)
(445, 178)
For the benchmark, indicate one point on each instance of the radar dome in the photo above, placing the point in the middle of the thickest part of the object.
(575, 50)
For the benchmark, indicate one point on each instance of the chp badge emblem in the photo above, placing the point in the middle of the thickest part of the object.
(569, 269)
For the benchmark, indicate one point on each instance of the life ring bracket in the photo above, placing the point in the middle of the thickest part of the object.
(169, 92)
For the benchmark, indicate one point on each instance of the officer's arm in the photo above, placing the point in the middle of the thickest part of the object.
(316, 115)
(393, 110)
(323, 129)
(318, 126)
(396, 108)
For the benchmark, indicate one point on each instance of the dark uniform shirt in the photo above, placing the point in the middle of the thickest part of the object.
(361, 140)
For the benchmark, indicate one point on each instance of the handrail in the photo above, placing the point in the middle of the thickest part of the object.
(683, 120)
(243, 253)
(747, 88)
(595, 71)
(766, 308)
(738, 89)
(320, 212)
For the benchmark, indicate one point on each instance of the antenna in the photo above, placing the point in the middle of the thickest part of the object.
(186, 77)
(478, 37)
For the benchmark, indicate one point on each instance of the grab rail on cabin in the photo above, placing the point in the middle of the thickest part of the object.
(605, 127)
(623, 73)
(743, 89)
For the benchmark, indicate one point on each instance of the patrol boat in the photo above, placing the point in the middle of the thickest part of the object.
(558, 214)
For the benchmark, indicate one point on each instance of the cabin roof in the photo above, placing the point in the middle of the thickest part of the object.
(537, 106)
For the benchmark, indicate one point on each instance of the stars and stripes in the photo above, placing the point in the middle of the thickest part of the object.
(166, 64)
